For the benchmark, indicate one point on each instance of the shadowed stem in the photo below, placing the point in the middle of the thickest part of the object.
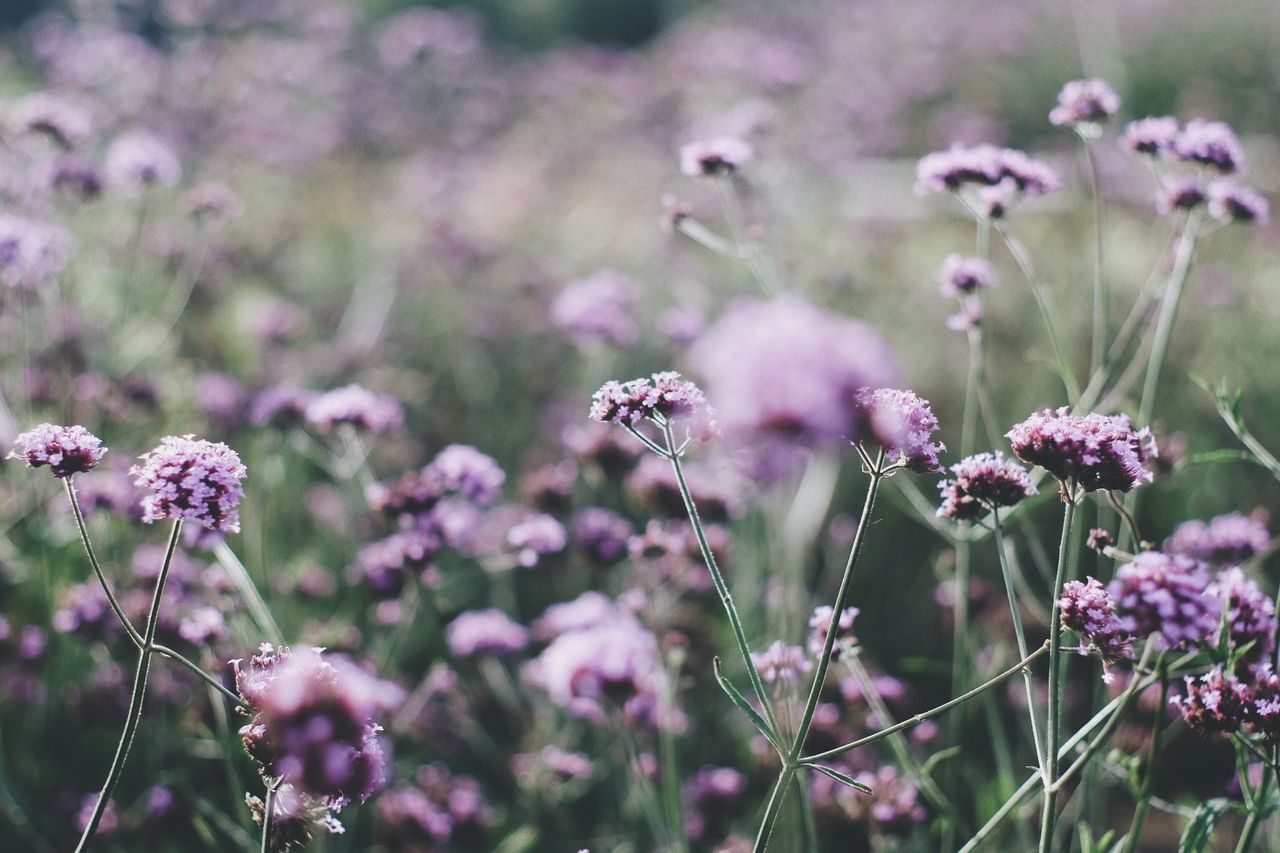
(746, 247)
(97, 567)
(1168, 314)
(1020, 634)
(135, 700)
(1257, 814)
(1049, 815)
(1144, 796)
(268, 817)
(1101, 294)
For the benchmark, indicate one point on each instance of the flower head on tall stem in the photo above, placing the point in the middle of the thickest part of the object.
(964, 276)
(722, 156)
(903, 424)
(662, 396)
(1212, 144)
(1083, 105)
(1087, 608)
(1165, 597)
(985, 166)
(1095, 451)
(1154, 136)
(1215, 703)
(192, 479)
(64, 450)
(1231, 202)
(983, 482)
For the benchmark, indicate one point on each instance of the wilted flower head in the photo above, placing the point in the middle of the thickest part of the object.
(598, 308)
(903, 424)
(1227, 540)
(720, 156)
(31, 252)
(984, 166)
(961, 275)
(66, 450)
(983, 482)
(1235, 203)
(1096, 451)
(480, 632)
(194, 480)
(1184, 192)
(137, 160)
(1216, 703)
(1210, 143)
(1165, 597)
(65, 123)
(1249, 617)
(1083, 102)
(781, 663)
(357, 406)
(662, 396)
(1155, 136)
(1088, 609)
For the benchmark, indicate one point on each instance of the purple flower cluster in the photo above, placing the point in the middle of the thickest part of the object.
(65, 123)
(1210, 143)
(1232, 202)
(598, 308)
(1215, 703)
(460, 469)
(1154, 136)
(1087, 609)
(65, 450)
(720, 156)
(903, 424)
(314, 722)
(713, 794)
(357, 406)
(661, 396)
(1095, 451)
(194, 480)
(441, 811)
(1227, 540)
(781, 663)
(985, 166)
(382, 566)
(601, 535)
(485, 632)
(536, 537)
(32, 252)
(137, 160)
(981, 483)
(1084, 102)
(1249, 617)
(963, 276)
(1184, 192)
(1165, 597)
(820, 624)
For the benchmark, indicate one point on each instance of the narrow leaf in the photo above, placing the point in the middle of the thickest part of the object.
(1199, 832)
(840, 777)
(741, 701)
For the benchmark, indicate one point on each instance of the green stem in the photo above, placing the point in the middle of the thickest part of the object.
(1148, 782)
(97, 567)
(199, 670)
(135, 700)
(1168, 314)
(1020, 634)
(268, 817)
(1101, 297)
(1049, 815)
(773, 807)
(1257, 814)
(747, 250)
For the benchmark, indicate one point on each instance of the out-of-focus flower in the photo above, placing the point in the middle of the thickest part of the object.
(460, 469)
(598, 308)
(601, 535)
(31, 252)
(76, 176)
(212, 200)
(357, 406)
(1249, 617)
(981, 483)
(781, 663)
(485, 632)
(1100, 539)
(903, 424)
(1154, 136)
(1085, 102)
(62, 121)
(820, 624)
(720, 156)
(961, 275)
(984, 166)
(590, 610)
(1210, 143)
(1164, 597)
(192, 479)
(535, 537)
(713, 794)
(1216, 703)
(65, 450)
(1087, 608)
(1096, 451)
(1227, 540)
(1264, 705)
(894, 806)
(1186, 192)
(1232, 202)
(137, 160)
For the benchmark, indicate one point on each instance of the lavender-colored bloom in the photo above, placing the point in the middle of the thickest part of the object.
(315, 721)
(31, 252)
(1264, 705)
(1084, 102)
(1210, 143)
(601, 535)
(598, 308)
(67, 124)
(1096, 451)
(718, 494)
(1181, 193)
(460, 469)
(485, 632)
(984, 166)
(1100, 539)
(194, 480)
(785, 371)
(222, 398)
(713, 794)
(212, 200)
(382, 567)
(663, 395)
(781, 663)
(408, 819)
(961, 275)
(895, 805)
(78, 177)
(357, 406)
(820, 623)
(536, 537)
(720, 156)
(1235, 203)
(65, 450)
(1154, 136)
(1165, 597)
(1216, 703)
(590, 610)
(983, 482)
(1227, 540)
(903, 424)
(1087, 608)
(138, 160)
(1249, 617)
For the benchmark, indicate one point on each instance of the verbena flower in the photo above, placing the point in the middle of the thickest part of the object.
(194, 480)
(1086, 608)
(600, 307)
(1249, 616)
(62, 121)
(984, 166)
(64, 450)
(31, 252)
(961, 275)
(713, 795)
(460, 469)
(714, 157)
(981, 483)
(1185, 192)
(1165, 597)
(662, 395)
(1096, 451)
(903, 424)
(1226, 540)
(1154, 136)
(1235, 203)
(781, 663)
(1264, 704)
(1100, 539)
(1084, 102)
(535, 537)
(820, 624)
(601, 535)
(357, 406)
(485, 632)
(137, 160)
(1210, 143)
(1215, 703)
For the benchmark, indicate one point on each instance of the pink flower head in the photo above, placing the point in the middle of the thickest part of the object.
(138, 160)
(1232, 202)
(1216, 703)
(661, 396)
(983, 482)
(1185, 192)
(1087, 608)
(600, 307)
(1210, 143)
(1165, 597)
(1155, 136)
(720, 156)
(985, 166)
(357, 406)
(903, 424)
(192, 479)
(485, 632)
(1085, 102)
(65, 450)
(1096, 451)
(961, 276)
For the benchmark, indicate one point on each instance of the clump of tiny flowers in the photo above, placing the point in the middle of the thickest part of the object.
(193, 480)
(357, 406)
(662, 396)
(1000, 175)
(781, 663)
(137, 160)
(1084, 102)
(314, 723)
(1215, 703)
(903, 424)
(485, 632)
(64, 450)
(820, 624)
(1087, 609)
(982, 482)
(1235, 203)
(1226, 540)
(1165, 596)
(1210, 143)
(598, 308)
(1249, 616)
(962, 275)
(1095, 451)
(1154, 136)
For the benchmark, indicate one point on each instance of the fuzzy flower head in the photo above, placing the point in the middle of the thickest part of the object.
(1216, 703)
(781, 663)
(983, 482)
(1085, 103)
(985, 166)
(661, 397)
(1264, 705)
(600, 308)
(1181, 193)
(535, 537)
(903, 424)
(1088, 609)
(1231, 202)
(462, 470)
(65, 450)
(1165, 597)
(1227, 540)
(820, 624)
(485, 632)
(1154, 136)
(32, 252)
(721, 156)
(1249, 616)
(357, 406)
(65, 123)
(194, 480)
(963, 276)
(1096, 451)
(138, 160)
(1212, 144)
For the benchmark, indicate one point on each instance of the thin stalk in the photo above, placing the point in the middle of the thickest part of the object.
(774, 805)
(747, 249)
(1168, 314)
(97, 567)
(249, 591)
(1101, 296)
(1021, 636)
(1048, 817)
(1148, 782)
(268, 817)
(1257, 815)
(722, 589)
(135, 700)
(199, 670)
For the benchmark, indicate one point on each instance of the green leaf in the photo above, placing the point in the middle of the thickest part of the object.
(840, 777)
(937, 758)
(1199, 832)
(743, 705)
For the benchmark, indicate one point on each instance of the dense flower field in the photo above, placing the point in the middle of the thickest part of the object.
(821, 428)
